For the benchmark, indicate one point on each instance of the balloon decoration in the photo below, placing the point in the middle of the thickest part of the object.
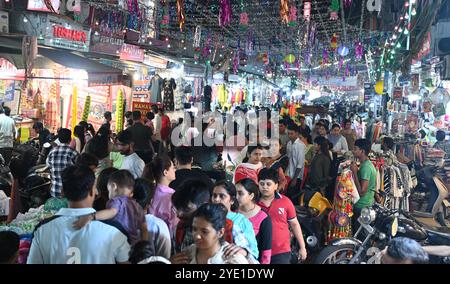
(292, 16)
(379, 87)
(284, 11)
(87, 107)
(225, 13)
(307, 11)
(289, 58)
(181, 14)
(119, 111)
(335, 6)
(343, 50)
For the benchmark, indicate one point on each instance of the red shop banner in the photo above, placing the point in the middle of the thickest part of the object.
(132, 53)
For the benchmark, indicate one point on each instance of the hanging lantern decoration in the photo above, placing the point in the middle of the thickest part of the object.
(207, 49)
(86, 110)
(225, 13)
(379, 87)
(334, 42)
(292, 16)
(343, 50)
(181, 14)
(243, 21)
(197, 53)
(197, 36)
(307, 11)
(335, 6)
(74, 107)
(359, 51)
(119, 111)
(284, 11)
(289, 58)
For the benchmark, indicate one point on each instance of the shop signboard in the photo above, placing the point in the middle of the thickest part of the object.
(131, 53)
(54, 31)
(154, 61)
(368, 92)
(9, 71)
(7, 90)
(106, 44)
(143, 107)
(140, 89)
(41, 5)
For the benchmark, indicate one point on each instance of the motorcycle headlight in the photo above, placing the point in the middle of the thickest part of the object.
(368, 215)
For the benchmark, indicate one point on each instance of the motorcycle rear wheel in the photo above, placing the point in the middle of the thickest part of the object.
(336, 254)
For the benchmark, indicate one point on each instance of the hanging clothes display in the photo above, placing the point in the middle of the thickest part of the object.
(207, 96)
(345, 196)
(179, 95)
(155, 87)
(169, 87)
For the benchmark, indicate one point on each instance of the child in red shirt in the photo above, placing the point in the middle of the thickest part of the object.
(282, 213)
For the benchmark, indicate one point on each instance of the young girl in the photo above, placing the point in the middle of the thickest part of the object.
(251, 166)
(121, 208)
(208, 228)
(247, 196)
(158, 231)
(162, 171)
(225, 193)
(278, 162)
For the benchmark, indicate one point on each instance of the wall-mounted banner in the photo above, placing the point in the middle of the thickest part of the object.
(132, 53)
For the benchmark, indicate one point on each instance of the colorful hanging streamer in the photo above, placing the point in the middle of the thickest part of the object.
(119, 111)
(87, 108)
(225, 13)
(335, 7)
(181, 14)
(307, 11)
(284, 11)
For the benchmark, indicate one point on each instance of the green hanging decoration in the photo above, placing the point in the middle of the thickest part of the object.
(87, 108)
(335, 7)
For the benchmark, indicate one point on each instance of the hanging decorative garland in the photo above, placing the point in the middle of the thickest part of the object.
(225, 13)
(181, 14)
(243, 18)
(284, 11)
(119, 111)
(307, 11)
(292, 16)
(87, 107)
(335, 7)
(197, 36)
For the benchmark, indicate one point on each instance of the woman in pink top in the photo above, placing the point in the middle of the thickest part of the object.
(162, 171)
(251, 165)
(247, 196)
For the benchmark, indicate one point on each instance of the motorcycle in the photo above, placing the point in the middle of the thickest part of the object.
(378, 225)
(312, 214)
(429, 197)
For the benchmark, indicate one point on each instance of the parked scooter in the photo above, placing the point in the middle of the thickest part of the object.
(312, 214)
(378, 226)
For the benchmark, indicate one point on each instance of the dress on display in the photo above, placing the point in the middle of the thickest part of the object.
(155, 89)
(169, 87)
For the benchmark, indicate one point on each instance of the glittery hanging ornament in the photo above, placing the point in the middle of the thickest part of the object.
(236, 62)
(335, 6)
(284, 11)
(325, 56)
(181, 14)
(225, 13)
(307, 11)
(347, 3)
(359, 51)
(292, 16)
(197, 36)
(334, 42)
(243, 18)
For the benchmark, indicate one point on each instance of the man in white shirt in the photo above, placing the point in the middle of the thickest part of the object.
(7, 133)
(296, 151)
(55, 241)
(131, 162)
(157, 123)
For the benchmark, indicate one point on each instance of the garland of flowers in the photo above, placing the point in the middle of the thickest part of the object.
(181, 14)
(119, 111)
(87, 107)
(284, 11)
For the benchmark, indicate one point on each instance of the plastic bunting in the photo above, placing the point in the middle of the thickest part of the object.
(181, 14)
(119, 111)
(284, 11)
(87, 107)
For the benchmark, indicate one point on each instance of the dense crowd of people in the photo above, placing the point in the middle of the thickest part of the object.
(137, 197)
